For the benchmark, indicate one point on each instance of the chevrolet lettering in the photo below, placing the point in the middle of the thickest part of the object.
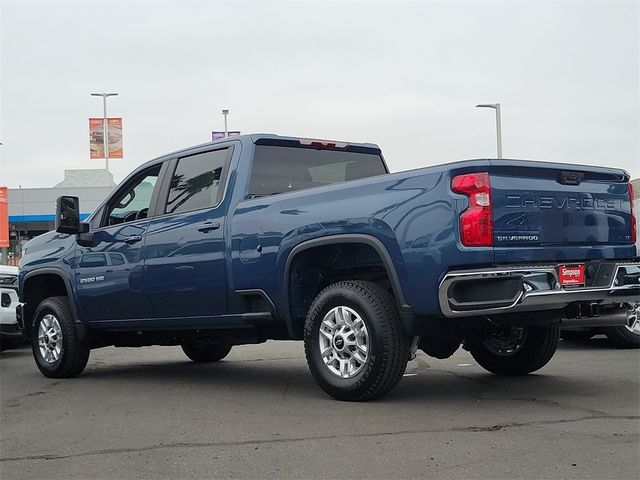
(577, 203)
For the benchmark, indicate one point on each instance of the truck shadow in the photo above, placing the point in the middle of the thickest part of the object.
(290, 378)
(598, 342)
(249, 377)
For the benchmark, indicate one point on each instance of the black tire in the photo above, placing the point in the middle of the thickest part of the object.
(622, 337)
(537, 348)
(626, 337)
(206, 352)
(387, 344)
(74, 352)
(576, 335)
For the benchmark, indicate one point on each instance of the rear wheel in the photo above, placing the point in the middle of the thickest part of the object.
(627, 336)
(206, 352)
(58, 350)
(355, 346)
(515, 350)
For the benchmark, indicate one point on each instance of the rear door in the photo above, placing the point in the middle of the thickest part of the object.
(544, 211)
(184, 274)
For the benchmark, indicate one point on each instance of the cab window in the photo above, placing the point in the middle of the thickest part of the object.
(133, 201)
(198, 181)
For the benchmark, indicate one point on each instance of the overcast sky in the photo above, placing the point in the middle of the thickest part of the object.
(403, 75)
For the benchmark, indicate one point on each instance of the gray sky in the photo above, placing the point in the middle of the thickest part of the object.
(403, 75)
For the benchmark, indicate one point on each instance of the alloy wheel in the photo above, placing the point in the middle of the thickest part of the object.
(50, 339)
(506, 341)
(633, 319)
(344, 342)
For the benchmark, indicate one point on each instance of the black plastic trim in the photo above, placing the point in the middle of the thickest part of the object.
(408, 318)
(60, 273)
(264, 295)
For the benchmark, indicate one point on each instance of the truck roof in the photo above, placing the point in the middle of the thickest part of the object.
(256, 137)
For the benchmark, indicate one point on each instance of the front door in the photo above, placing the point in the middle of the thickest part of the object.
(108, 268)
(184, 274)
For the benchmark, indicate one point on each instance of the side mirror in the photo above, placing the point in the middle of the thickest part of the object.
(68, 216)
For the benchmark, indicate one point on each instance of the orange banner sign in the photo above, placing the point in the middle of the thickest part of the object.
(4, 217)
(96, 137)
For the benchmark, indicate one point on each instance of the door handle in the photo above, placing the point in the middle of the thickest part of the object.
(208, 226)
(184, 268)
(133, 239)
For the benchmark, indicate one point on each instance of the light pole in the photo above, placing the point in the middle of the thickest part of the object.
(225, 112)
(105, 127)
(496, 107)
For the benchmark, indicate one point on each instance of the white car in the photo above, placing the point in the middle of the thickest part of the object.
(10, 334)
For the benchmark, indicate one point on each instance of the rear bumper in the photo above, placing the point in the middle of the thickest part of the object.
(472, 293)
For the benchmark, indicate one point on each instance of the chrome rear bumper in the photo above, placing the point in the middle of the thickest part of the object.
(468, 293)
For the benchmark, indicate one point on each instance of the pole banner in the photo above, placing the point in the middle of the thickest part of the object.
(96, 137)
(4, 217)
(218, 135)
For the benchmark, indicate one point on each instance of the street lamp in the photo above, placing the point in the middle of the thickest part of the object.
(225, 112)
(496, 107)
(105, 127)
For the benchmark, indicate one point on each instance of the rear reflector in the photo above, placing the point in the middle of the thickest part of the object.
(476, 222)
(634, 227)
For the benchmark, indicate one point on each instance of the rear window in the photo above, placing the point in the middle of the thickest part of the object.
(285, 169)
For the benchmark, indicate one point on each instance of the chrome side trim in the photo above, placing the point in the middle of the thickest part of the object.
(554, 296)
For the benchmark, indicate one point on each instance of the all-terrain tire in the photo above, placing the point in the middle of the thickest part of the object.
(73, 353)
(387, 343)
(539, 346)
(206, 352)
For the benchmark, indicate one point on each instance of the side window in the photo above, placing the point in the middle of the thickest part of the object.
(198, 181)
(132, 202)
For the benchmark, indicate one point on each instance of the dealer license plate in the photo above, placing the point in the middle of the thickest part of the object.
(571, 275)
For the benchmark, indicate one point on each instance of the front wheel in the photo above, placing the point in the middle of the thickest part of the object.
(515, 350)
(206, 352)
(355, 346)
(626, 336)
(57, 349)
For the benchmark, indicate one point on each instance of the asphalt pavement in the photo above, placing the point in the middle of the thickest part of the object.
(151, 413)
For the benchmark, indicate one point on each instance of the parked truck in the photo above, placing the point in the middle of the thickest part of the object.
(263, 237)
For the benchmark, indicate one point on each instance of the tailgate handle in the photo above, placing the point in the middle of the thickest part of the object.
(571, 178)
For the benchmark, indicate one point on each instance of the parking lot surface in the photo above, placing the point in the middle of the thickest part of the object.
(151, 413)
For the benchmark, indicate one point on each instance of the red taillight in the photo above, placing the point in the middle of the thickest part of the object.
(634, 231)
(476, 222)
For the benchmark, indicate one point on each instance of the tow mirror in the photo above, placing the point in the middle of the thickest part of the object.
(68, 216)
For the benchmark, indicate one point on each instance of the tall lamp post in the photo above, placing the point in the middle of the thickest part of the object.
(105, 127)
(496, 107)
(225, 112)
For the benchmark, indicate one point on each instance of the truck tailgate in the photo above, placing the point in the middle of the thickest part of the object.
(561, 208)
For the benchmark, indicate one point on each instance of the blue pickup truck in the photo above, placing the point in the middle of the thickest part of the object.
(264, 237)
